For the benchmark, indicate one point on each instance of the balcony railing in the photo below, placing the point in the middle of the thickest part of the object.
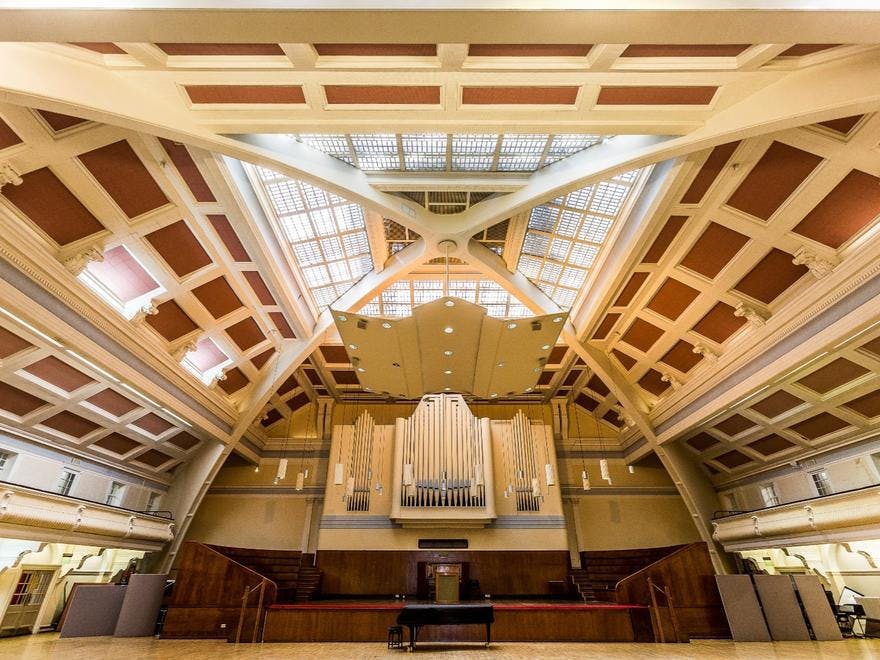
(165, 514)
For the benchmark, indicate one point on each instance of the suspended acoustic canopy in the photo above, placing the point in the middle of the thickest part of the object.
(448, 345)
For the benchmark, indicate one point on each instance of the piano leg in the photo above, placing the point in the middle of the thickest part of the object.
(488, 634)
(413, 635)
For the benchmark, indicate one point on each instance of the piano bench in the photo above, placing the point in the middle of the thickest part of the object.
(395, 637)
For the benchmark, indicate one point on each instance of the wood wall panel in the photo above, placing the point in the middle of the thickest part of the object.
(388, 572)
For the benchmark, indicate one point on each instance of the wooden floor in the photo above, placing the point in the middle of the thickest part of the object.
(49, 646)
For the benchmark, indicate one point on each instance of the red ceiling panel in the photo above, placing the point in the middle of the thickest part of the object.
(125, 178)
(710, 170)
(850, 207)
(112, 402)
(653, 382)
(872, 347)
(819, 425)
(631, 288)
(771, 276)
(672, 298)
(70, 424)
(230, 239)
(190, 173)
(52, 207)
(645, 95)
(572, 376)
(735, 424)
(8, 137)
(867, 405)
(18, 402)
(60, 374)
(719, 323)
(799, 50)
(776, 404)
(290, 383)
(623, 358)
(702, 441)
(117, 443)
(529, 50)
(153, 424)
(246, 333)
(104, 48)
(58, 122)
(259, 287)
(557, 354)
(180, 249)
(183, 440)
(270, 418)
(246, 94)
(334, 354)
(545, 377)
(382, 94)
(771, 444)
(345, 377)
(605, 326)
(733, 459)
(153, 457)
(260, 359)
(519, 95)
(714, 249)
(171, 321)
(11, 343)
(217, 297)
(773, 179)
(642, 335)
(281, 324)
(843, 125)
(683, 50)
(235, 380)
(833, 375)
(376, 50)
(226, 49)
(681, 357)
(588, 403)
(595, 383)
(664, 239)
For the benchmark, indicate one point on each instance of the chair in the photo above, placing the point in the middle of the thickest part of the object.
(395, 637)
(871, 605)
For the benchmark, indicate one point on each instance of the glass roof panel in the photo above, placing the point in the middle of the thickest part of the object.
(399, 298)
(564, 236)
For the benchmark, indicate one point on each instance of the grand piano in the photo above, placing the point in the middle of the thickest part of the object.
(416, 616)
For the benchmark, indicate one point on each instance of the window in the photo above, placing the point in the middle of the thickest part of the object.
(5, 462)
(730, 501)
(768, 494)
(114, 495)
(65, 483)
(821, 482)
(153, 502)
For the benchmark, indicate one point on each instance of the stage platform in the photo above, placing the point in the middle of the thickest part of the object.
(515, 621)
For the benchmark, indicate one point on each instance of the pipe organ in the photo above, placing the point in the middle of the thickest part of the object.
(360, 469)
(523, 465)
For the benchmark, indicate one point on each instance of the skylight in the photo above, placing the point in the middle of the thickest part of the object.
(565, 235)
(399, 298)
(441, 152)
(121, 280)
(207, 361)
(326, 234)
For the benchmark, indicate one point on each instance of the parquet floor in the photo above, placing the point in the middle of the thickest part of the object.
(49, 646)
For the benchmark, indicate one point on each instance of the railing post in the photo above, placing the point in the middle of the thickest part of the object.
(655, 611)
(244, 599)
(672, 615)
(259, 611)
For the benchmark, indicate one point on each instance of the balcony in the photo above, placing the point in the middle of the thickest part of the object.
(33, 514)
(848, 516)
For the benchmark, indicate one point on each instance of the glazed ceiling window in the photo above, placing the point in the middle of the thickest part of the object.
(326, 234)
(441, 152)
(121, 280)
(207, 361)
(565, 235)
(399, 298)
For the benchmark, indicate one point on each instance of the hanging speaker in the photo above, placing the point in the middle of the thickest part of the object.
(585, 478)
(549, 477)
(603, 470)
(282, 469)
(300, 477)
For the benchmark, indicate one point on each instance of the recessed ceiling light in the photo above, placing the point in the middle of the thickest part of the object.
(353, 347)
(361, 369)
(545, 347)
(511, 326)
(447, 371)
(368, 389)
(386, 325)
(342, 318)
(448, 330)
(447, 353)
(558, 319)
(500, 364)
(536, 369)
(447, 388)
(528, 389)
(449, 303)
(494, 395)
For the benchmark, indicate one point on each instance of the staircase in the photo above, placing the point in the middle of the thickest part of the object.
(600, 571)
(280, 566)
(309, 580)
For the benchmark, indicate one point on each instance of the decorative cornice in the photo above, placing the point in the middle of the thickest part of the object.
(708, 354)
(755, 316)
(8, 174)
(818, 266)
(78, 262)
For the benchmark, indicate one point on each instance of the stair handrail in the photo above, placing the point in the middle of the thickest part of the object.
(244, 601)
(655, 610)
(269, 582)
(677, 551)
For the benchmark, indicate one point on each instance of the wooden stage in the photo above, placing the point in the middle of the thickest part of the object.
(515, 621)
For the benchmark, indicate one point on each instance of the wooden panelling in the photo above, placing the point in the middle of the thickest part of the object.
(643, 95)
(529, 50)
(387, 572)
(382, 94)
(376, 50)
(683, 50)
(125, 178)
(519, 95)
(664, 239)
(710, 170)
(246, 94)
